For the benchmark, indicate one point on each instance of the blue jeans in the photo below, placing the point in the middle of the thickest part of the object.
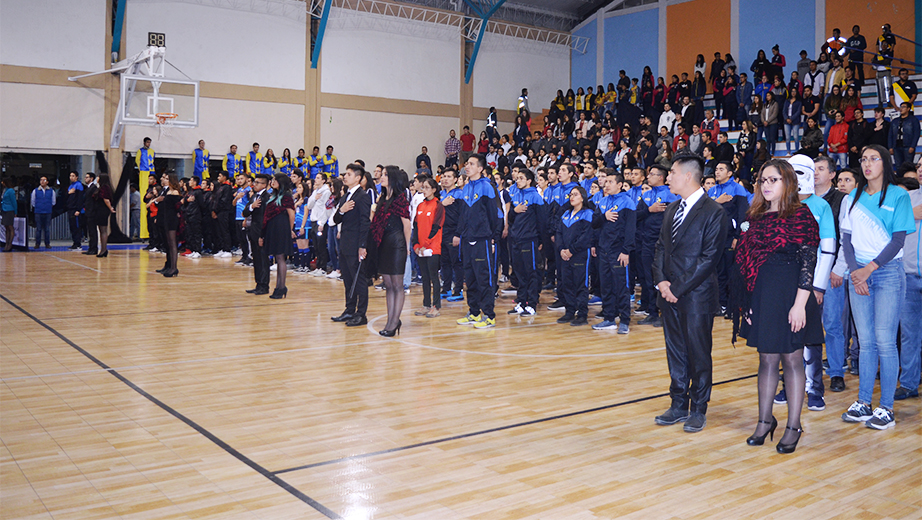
(791, 133)
(333, 246)
(902, 155)
(43, 226)
(770, 134)
(834, 324)
(841, 159)
(813, 370)
(911, 333)
(877, 317)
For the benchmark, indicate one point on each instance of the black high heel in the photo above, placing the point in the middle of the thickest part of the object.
(278, 294)
(169, 273)
(391, 333)
(789, 448)
(756, 440)
(103, 254)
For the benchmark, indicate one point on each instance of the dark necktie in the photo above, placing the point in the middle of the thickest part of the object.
(677, 220)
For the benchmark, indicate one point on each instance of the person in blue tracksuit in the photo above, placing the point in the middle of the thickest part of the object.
(615, 222)
(655, 201)
(735, 201)
(479, 227)
(637, 177)
(527, 228)
(566, 182)
(573, 241)
(254, 161)
(550, 199)
(200, 157)
(452, 269)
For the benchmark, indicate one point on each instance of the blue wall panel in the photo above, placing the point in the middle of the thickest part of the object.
(792, 26)
(583, 66)
(631, 42)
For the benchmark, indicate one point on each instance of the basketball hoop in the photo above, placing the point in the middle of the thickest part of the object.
(165, 122)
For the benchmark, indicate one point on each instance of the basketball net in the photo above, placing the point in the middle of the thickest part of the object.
(165, 123)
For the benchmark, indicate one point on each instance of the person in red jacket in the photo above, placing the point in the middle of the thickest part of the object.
(467, 144)
(838, 140)
(427, 243)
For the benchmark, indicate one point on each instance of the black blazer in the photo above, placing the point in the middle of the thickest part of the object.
(255, 228)
(354, 230)
(690, 264)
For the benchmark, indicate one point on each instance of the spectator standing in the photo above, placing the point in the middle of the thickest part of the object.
(903, 90)
(8, 213)
(874, 229)
(467, 143)
(452, 149)
(904, 135)
(838, 140)
(793, 117)
(778, 62)
(74, 204)
(803, 65)
(200, 157)
(859, 136)
(856, 44)
(424, 157)
(134, 217)
(910, 325)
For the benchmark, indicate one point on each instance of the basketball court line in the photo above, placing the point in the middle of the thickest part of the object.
(58, 258)
(189, 422)
(494, 430)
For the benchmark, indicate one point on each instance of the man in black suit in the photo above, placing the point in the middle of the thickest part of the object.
(255, 210)
(353, 214)
(684, 270)
(89, 207)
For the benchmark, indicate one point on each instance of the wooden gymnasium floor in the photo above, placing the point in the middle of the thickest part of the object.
(129, 395)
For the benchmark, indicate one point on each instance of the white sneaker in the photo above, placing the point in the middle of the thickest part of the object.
(317, 272)
(334, 275)
(528, 311)
(153, 250)
(273, 267)
(509, 292)
(194, 255)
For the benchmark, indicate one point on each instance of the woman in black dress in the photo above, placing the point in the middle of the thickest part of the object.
(776, 257)
(278, 230)
(103, 209)
(390, 233)
(168, 217)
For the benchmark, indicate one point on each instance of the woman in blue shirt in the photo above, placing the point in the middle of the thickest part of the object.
(876, 222)
(573, 240)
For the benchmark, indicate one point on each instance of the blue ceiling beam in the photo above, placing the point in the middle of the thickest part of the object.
(315, 57)
(483, 28)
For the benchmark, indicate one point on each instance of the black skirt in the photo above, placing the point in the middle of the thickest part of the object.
(772, 299)
(277, 236)
(392, 252)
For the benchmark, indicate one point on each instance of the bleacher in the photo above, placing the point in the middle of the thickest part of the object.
(868, 102)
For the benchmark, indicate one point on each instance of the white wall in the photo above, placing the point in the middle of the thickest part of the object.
(272, 125)
(370, 55)
(52, 119)
(54, 34)
(506, 65)
(223, 44)
(378, 137)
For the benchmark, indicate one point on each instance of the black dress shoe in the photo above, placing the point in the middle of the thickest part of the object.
(253, 290)
(695, 422)
(837, 384)
(342, 317)
(357, 321)
(89, 252)
(566, 318)
(579, 320)
(671, 416)
(648, 320)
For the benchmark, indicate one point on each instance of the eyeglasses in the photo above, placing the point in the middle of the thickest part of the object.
(768, 180)
(864, 161)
